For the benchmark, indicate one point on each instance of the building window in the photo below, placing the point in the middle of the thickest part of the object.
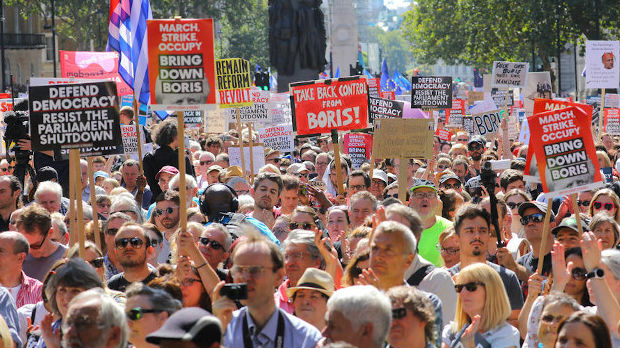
(49, 53)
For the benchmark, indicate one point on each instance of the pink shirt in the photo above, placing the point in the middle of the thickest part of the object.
(282, 300)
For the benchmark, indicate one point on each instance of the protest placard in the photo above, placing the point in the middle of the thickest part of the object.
(234, 80)
(524, 134)
(454, 115)
(384, 108)
(509, 74)
(443, 134)
(193, 118)
(468, 125)
(543, 105)
(359, 147)
(431, 92)
(74, 116)
(487, 124)
(374, 87)
(258, 112)
(258, 155)
(513, 126)
(602, 70)
(612, 121)
(538, 86)
(499, 97)
(474, 96)
(90, 65)
(216, 121)
(181, 63)
(63, 154)
(608, 174)
(409, 138)
(130, 139)
(391, 95)
(320, 106)
(278, 137)
(482, 106)
(562, 157)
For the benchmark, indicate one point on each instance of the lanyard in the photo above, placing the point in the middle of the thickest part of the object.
(247, 341)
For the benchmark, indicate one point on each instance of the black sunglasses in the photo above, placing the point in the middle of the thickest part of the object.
(474, 147)
(303, 226)
(37, 247)
(471, 286)
(275, 160)
(160, 212)
(97, 263)
(533, 217)
(398, 313)
(138, 312)
(579, 273)
(212, 243)
(583, 203)
(513, 205)
(123, 242)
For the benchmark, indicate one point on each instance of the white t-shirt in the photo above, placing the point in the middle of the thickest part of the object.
(501, 336)
(14, 291)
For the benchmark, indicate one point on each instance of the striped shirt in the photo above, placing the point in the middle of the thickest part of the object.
(30, 291)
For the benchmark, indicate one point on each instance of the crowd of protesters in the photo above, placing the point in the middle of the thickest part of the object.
(287, 258)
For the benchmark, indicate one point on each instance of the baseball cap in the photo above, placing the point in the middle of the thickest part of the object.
(47, 173)
(420, 183)
(477, 139)
(215, 167)
(379, 174)
(447, 177)
(167, 169)
(189, 324)
(571, 222)
(101, 173)
(537, 205)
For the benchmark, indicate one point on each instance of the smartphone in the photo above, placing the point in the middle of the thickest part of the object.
(235, 291)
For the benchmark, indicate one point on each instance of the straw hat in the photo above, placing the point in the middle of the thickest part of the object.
(314, 279)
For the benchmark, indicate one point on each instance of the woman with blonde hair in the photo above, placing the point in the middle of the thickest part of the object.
(482, 309)
(5, 336)
(606, 229)
(607, 201)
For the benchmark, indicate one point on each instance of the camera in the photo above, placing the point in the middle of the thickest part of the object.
(235, 292)
(16, 129)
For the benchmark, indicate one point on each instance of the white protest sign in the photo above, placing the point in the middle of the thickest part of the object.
(483, 106)
(602, 70)
(524, 135)
(130, 139)
(278, 137)
(513, 126)
(234, 155)
(509, 74)
(538, 86)
(487, 124)
(215, 121)
(258, 112)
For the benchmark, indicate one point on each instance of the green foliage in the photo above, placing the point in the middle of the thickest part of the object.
(395, 49)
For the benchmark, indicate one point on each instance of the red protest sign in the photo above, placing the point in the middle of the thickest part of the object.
(93, 65)
(544, 105)
(454, 115)
(358, 146)
(321, 106)
(391, 95)
(612, 121)
(181, 63)
(563, 156)
(374, 87)
(443, 134)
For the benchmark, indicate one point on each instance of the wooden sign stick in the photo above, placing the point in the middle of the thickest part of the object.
(136, 121)
(545, 235)
(72, 207)
(240, 131)
(251, 153)
(402, 180)
(182, 191)
(93, 202)
(573, 198)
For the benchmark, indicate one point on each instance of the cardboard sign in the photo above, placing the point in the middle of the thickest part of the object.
(74, 116)
(374, 87)
(602, 69)
(474, 96)
(193, 118)
(234, 155)
(513, 126)
(384, 108)
(130, 139)
(93, 66)
(524, 134)
(487, 124)
(234, 80)
(320, 106)
(432, 92)
(499, 98)
(509, 74)
(358, 146)
(538, 87)
(454, 115)
(612, 121)
(216, 121)
(181, 63)
(391, 95)
(409, 138)
(258, 112)
(279, 137)
(563, 156)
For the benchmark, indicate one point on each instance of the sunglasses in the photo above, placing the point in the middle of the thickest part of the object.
(399, 313)
(160, 212)
(37, 247)
(583, 203)
(513, 205)
(274, 160)
(303, 226)
(470, 287)
(4, 169)
(534, 217)
(549, 318)
(111, 231)
(579, 273)
(474, 147)
(135, 242)
(606, 206)
(97, 263)
(450, 251)
(452, 186)
(138, 312)
(212, 243)
(155, 243)
(462, 139)
(394, 196)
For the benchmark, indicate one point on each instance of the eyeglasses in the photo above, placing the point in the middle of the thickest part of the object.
(443, 167)
(4, 169)
(606, 206)
(295, 256)
(474, 147)
(253, 271)
(399, 313)
(189, 282)
(202, 163)
(135, 242)
(212, 243)
(322, 163)
(550, 318)
(97, 263)
(111, 231)
(454, 186)
(37, 247)
(394, 195)
(533, 217)
(462, 139)
(513, 205)
(377, 182)
(450, 251)
(160, 212)
(303, 226)
(274, 160)
(579, 273)
(138, 312)
(302, 175)
(470, 287)
(155, 243)
(583, 203)
(357, 187)
(427, 195)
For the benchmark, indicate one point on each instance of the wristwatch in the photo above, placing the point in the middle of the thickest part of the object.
(596, 273)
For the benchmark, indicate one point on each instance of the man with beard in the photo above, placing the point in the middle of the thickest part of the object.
(167, 219)
(476, 149)
(267, 188)
(94, 320)
(472, 225)
(133, 246)
(424, 201)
